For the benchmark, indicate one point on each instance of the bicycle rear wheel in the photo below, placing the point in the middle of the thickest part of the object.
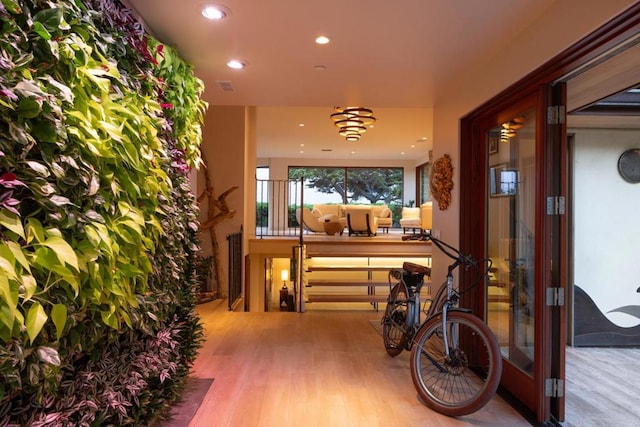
(395, 320)
(464, 381)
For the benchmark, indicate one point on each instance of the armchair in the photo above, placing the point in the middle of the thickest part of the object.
(410, 219)
(420, 218)
(384, 215)
(313, 222)
(361, 220)
(426, 216)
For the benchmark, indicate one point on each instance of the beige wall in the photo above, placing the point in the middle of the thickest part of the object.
(225, 140)
(229, 137)
(562, 25)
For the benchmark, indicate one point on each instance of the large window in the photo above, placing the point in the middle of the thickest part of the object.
(350, 185)
(422, 180)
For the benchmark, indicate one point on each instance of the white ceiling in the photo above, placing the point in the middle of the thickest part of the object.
(396, 57)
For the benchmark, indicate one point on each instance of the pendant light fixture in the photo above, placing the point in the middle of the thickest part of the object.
(352, 122)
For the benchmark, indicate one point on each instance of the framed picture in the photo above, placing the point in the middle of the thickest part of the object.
(503, 181)
(494, 138)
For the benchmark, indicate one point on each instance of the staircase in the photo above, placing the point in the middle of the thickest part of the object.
(353, 279)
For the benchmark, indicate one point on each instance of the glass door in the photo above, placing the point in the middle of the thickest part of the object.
(525, 162)
(511, 233)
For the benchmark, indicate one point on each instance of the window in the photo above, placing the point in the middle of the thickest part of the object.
(350, 185)
(422, 181)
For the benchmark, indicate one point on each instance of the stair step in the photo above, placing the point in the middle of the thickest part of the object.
(348, 268)
(312, 283)
(346, 298)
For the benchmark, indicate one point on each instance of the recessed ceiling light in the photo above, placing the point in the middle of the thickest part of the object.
(322, 40)
(215, 12)
(301, 125)
(402, 153)
(236, 64)
(413, 146)
(301, 145)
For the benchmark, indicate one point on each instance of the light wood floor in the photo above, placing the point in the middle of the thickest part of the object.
(602, 387)
(328, 368)
(319, 368)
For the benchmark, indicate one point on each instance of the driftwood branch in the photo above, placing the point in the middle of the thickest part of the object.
(218, 210)
(223, 213)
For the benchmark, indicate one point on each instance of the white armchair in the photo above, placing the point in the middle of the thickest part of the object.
(410, 219)
(361, 220)
(417, 218)
(426, 216)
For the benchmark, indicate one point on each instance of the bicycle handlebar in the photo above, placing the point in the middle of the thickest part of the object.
(458, 258)
(448, 250)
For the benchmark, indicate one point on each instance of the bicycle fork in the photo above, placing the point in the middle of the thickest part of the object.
(446, 334)
(445, 310)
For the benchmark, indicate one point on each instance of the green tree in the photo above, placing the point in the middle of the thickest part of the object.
(324, 180)
(354, 184)
(375, 184)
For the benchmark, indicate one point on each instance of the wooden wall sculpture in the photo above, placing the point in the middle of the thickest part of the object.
(441, 181)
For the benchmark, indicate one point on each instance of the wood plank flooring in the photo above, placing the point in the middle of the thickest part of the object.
(319, 368)
(602, 387)
(328, 368)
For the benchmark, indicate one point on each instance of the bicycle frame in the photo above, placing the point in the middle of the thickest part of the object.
(446, 298)
(445, 309)
(452, 374)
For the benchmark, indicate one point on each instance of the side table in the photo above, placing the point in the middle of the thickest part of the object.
(333, 227)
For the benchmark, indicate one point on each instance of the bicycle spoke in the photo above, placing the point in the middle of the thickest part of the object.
(395, 328)
(451, 383)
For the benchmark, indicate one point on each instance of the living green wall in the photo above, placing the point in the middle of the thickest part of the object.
(99, 126)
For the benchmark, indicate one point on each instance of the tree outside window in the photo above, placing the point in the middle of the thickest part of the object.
(352, 185)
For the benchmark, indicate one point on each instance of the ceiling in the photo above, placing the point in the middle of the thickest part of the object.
(397, 58)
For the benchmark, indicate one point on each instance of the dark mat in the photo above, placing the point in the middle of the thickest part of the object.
(183, 411)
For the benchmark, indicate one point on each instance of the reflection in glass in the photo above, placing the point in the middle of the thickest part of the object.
(511, 235)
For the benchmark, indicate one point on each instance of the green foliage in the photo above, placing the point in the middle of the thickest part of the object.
(98, 126)
(262, 214)
(325, 180)
(354, 184)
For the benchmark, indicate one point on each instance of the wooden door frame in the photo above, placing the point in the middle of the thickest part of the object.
(473, 149)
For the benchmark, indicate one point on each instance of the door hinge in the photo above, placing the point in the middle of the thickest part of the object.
(555, 114)
(555, 297)
(556, 205)
(553, 387)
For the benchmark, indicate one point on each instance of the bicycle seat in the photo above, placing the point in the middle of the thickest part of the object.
(416, 268)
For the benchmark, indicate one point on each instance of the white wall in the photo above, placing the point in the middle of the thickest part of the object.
(606, 222)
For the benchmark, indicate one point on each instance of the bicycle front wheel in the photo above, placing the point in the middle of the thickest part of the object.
(395, 320)
(466, 379)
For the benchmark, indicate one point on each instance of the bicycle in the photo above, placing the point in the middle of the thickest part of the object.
(455, 359)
